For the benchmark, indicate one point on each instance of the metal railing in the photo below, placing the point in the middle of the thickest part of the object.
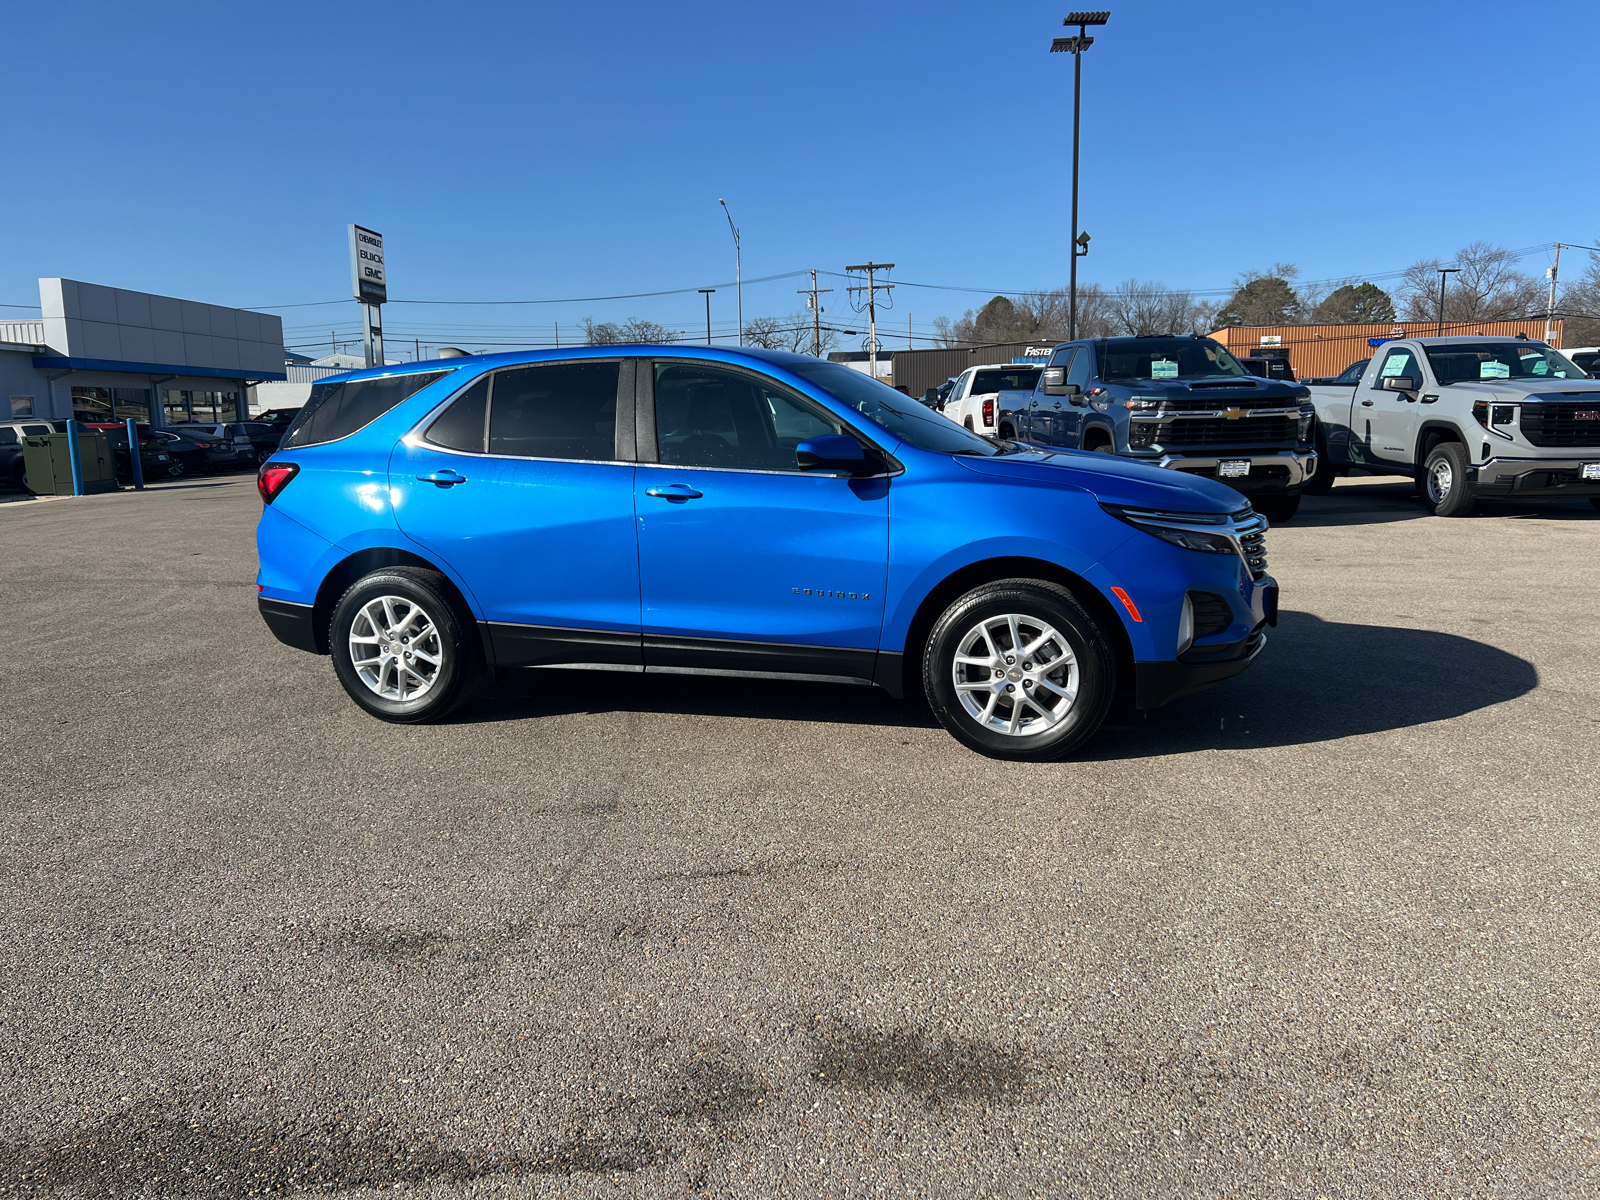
(23, 333)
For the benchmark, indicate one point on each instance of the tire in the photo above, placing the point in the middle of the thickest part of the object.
(1277, 509)
(967, 424)
(415, 601)
(1444, 481)
(1007, 434)
(1595, 500)
(978, 625)
(175, 468)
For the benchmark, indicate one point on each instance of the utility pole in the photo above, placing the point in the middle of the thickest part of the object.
(871, 289)
(1550, 304)
(1443, 271)
(707, 293)
(1075, 46)
(738, 269)
(815, 306)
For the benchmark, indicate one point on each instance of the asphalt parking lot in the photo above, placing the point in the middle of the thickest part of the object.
(1329, 930)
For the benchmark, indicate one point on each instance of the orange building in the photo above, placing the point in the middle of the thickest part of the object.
(1328, 349)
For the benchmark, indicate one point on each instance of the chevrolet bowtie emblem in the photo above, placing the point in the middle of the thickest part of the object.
(1233, 414)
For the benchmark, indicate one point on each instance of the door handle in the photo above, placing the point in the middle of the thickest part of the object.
(674, 491)
(446, 478)
(1366, 404)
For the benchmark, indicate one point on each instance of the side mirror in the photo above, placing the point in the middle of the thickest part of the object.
(1055, 382)
(1398, 383)
(832, 452)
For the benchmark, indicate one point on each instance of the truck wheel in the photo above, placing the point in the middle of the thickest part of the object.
(968, 424)
(1007, 434)
(400, 649)
(1322, 478)
(1444, 481)
(1277, 509)
(1594, 500)
(1019, 669)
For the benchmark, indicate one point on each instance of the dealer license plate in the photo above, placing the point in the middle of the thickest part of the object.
(1590, 471)
(1233, 468)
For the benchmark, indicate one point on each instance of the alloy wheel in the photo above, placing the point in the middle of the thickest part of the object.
(395, 648)
(1015, 675)
(1440, 480)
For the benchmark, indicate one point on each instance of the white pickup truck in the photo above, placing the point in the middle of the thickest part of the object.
(1465, 417)
(981, 392)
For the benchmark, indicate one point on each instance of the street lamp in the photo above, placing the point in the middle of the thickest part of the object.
(1075, 46)
(738, 279)
(706, 292)
(1443, 271)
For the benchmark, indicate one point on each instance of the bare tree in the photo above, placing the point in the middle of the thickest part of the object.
(793, 333)
(1264, 298)
(1042, 316)
(1144, 308)
(1489, 287)
(1580, 306)
(635, 331)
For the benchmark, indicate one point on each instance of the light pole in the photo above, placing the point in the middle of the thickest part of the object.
(1075, 46)
(738, 270)
(707, 292)
(1443, 271)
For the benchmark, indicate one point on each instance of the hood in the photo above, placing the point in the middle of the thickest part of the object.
(1525, 389)
(1112, 479)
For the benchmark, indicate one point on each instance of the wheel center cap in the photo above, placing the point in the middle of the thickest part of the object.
(1014, 675)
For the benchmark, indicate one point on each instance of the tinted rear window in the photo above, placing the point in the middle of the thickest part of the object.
(1006, 381)
(337, 410)
(563, 410)
(464, 425)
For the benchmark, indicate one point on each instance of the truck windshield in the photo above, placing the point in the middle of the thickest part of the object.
(1462, 362)
(895, 411)
(1164, 358)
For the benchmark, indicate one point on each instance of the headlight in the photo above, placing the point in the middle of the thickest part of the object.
(1178, 528)
(1306, 418)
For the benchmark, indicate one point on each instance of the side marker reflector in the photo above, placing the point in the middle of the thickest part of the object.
(1133, 610)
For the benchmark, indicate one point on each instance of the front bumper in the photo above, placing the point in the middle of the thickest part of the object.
(1156, 683)
(1275, 471)
(1535, 476)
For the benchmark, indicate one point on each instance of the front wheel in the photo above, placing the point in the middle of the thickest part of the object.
(1277, 509)
(400, 649)
(1444, 481)
(1321, 482)
(1019, 669)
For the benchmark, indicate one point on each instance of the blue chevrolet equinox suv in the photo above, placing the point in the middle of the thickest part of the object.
(746, 513)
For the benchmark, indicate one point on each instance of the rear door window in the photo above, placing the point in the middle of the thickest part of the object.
(555, 410)
(465, 424)
(336, 410)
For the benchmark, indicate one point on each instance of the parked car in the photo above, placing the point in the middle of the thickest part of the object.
(1268, 368)
(1182, 403)
(1585, 358)
(1465, 417)
(979, 394)
(227, 444)
(717, 511)
(230, 441)
(1349, 375)
(935, 397)
(13, 470)
(155, 460)
(189, 457)
(264, 436)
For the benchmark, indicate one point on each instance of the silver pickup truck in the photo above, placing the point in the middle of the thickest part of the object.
(1465, 417)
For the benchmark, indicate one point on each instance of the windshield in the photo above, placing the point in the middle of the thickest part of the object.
(1164, 358)
(1023, 379)
(896, 412)
(1462, 362)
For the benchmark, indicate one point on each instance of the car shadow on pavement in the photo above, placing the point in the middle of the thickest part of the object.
(1321, 680)
(1380, 502)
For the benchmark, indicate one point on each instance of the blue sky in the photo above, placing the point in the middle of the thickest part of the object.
(538, 151)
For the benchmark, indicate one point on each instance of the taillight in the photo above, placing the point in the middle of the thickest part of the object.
(273, 477)
(988, 412)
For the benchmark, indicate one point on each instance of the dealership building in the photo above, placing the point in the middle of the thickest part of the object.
(104, 354)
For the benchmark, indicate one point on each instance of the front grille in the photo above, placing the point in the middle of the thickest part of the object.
(1219, 431)
(1253, 541)
(1211, 614)
(1557, 422)
(1205, 403)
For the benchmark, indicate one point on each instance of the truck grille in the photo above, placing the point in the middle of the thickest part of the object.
(1562, 422)
(1219, 431)
(1207, 403)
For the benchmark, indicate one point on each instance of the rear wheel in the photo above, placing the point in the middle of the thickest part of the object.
(1277, 509)
(1019, 669)
(400, 648)
(1595, 500)
(968, 425)
(1444, 481)
(1007, 434)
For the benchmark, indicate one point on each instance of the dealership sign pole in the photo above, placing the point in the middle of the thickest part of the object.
(368, 281)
